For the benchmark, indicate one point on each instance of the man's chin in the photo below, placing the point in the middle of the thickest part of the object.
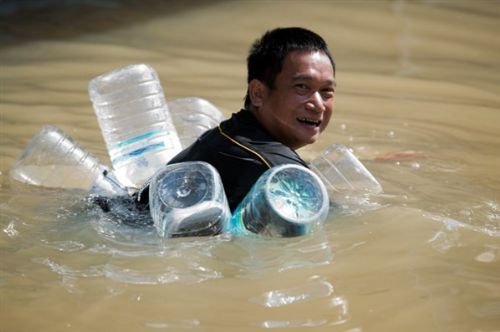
(306, 141)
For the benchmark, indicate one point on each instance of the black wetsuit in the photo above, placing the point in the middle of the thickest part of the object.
(239, 148)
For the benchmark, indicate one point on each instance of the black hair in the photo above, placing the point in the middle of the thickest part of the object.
(267, 54)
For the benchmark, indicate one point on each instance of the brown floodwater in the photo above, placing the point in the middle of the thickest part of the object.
(420, 76)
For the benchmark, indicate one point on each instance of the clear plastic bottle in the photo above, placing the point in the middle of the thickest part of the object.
(53, 159)
(188, 199)
(193, 116)
(135, 122)
(287, 200)
(344, 176)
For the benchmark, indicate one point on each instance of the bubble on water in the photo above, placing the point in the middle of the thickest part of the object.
(415, 165)
(391, 134)
(10, 230)
(343, 126)
(486, 257)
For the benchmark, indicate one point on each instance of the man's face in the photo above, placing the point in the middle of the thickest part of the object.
(301, 103)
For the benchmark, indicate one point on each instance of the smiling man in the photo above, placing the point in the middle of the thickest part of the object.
(289, 102)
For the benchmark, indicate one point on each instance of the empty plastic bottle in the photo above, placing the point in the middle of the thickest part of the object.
(188, 199)
(343, 174)
(287, 200)
(53, 159)
(193, 116)
(135, 122)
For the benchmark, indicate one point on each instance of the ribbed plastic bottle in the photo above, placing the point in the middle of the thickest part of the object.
(344, 176)
(193, 116)
(135, 122)
(286, 201)
(188, 199)
(53, 159)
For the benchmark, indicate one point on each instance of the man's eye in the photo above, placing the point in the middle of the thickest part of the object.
(301, 88)
(328, 93)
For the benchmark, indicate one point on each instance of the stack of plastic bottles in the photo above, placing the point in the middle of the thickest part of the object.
(143, 131)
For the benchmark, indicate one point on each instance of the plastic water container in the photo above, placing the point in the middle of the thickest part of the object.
(192, 117)
(343, 174)
(188, 199)
(286, 201)
(135, 122)
(53, 159)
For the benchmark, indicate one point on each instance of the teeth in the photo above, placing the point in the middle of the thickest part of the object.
(310, 121)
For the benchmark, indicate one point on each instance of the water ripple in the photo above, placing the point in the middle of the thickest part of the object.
(280, 324)
(306, 292)
(183, 324)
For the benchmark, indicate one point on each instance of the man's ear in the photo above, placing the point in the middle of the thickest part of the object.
(256, 91)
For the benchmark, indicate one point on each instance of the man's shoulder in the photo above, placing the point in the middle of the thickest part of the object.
(198, 150)
(241, 138)
(244, 128)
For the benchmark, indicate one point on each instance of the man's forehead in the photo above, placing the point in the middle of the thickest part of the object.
(307, 77)
(295, 60)
(316, 55)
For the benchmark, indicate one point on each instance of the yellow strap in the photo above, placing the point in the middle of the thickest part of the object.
(244, 147)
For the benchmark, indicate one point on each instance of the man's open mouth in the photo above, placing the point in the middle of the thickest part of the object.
(309, 122)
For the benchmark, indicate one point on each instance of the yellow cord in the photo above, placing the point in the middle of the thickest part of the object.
(244, 147)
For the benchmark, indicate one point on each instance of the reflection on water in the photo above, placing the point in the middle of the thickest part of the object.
(417, 102)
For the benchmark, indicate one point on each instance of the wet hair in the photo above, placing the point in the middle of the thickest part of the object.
(267, 54)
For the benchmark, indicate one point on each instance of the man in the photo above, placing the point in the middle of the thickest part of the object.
(289, 102)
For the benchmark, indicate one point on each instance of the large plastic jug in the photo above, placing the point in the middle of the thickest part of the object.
(135, 122)
(287, 200)
(188, 199)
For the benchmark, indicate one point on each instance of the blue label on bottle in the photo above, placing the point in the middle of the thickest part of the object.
(138, 138)
(138, 152)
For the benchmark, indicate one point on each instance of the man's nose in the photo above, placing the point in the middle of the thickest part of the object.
(316, 103)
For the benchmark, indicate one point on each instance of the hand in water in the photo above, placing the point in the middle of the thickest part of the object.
(399, 155)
